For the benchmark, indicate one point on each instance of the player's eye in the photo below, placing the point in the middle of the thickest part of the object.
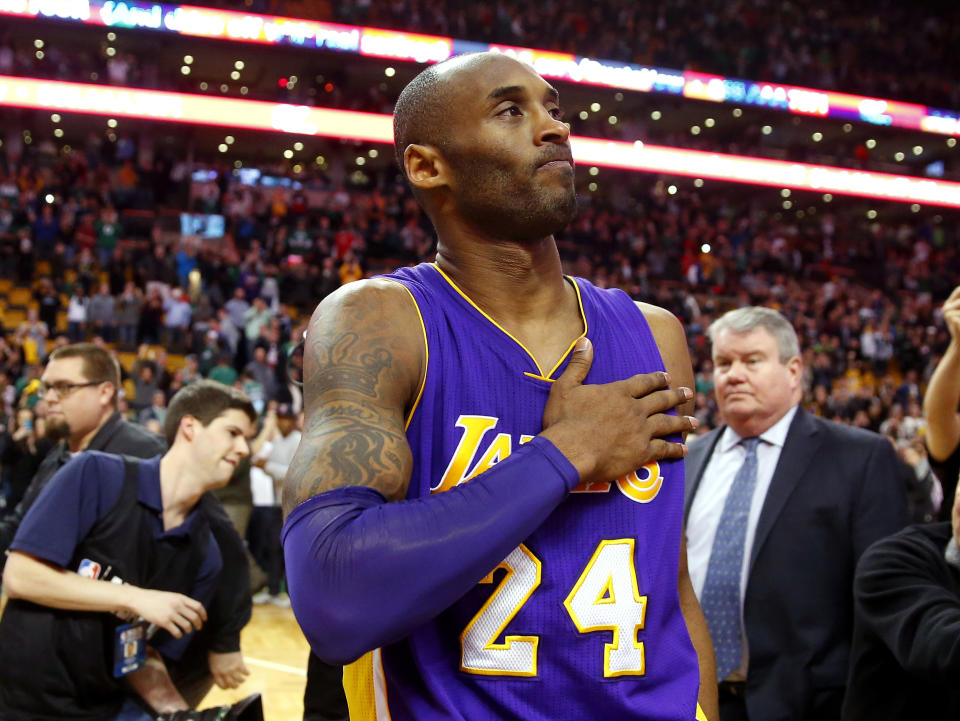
(556, 113)
(513, 110)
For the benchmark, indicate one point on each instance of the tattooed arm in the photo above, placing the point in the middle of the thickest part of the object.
(364, 566)
(363, 362)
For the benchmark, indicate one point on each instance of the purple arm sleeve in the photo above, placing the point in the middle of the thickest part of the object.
(363, 573)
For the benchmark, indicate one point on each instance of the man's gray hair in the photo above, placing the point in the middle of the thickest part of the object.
(744, 320)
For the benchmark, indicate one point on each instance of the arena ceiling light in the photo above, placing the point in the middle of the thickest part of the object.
(193, 21)
(114, 101)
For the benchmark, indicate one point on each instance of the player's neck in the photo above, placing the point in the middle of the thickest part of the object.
(507, 280)
(522, 288)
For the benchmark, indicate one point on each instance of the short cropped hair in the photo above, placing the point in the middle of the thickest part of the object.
(744, 320)
(98, 365)
(205, 400)
(420, 114)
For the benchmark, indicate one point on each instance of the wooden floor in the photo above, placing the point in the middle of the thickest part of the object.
(276, 653)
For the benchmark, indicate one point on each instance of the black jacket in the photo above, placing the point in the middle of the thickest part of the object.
(906, 642)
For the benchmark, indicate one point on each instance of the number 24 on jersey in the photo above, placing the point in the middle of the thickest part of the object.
(604, 598)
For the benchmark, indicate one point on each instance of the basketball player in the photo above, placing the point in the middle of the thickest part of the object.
(484, 514)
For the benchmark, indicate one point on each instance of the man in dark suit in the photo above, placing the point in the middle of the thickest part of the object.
(779, 506)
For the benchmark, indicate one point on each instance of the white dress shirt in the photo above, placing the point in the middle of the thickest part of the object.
(727, 457)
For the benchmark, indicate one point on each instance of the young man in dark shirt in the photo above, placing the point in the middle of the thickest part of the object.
(110, 537)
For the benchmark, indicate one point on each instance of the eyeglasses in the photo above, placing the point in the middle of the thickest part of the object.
(63, 388)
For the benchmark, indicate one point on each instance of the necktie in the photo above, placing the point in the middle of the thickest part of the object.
(720, 598)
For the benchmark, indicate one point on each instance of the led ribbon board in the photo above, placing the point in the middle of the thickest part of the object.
(195, 21)
(194, 109)
(305, 120)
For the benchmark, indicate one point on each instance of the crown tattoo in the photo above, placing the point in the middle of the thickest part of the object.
(360, 375)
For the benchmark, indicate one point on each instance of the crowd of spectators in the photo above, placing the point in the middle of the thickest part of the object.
(888, 49)
(863, 295)
(802, 44)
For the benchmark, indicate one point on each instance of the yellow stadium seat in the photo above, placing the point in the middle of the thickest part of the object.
(20, 296)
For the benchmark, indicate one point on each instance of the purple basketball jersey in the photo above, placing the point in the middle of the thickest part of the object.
(582, 620)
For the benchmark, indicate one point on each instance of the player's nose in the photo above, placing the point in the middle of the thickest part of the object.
(552, 130)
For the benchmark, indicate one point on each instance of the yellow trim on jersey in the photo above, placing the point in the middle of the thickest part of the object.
(606, 594)
(701, 716)
(358, 687)
(426, 348)
(583, 317)
(542, 376)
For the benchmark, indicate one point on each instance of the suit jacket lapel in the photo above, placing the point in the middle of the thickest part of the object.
(696, 462)
(799, 449)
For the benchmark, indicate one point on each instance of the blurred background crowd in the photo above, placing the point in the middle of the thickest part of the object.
(192, 253)
(199, 251)
(92, 248)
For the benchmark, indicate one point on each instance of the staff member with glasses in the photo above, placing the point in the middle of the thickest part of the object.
(80, 386)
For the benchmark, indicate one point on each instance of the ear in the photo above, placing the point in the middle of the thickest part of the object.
(109, 394)
(795, 366)
(188, 426)
(425, 167)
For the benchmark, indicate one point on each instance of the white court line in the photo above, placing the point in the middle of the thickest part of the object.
(276, 666)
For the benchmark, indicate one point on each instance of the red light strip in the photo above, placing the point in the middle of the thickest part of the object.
(196, 109)
(762, 171)
(305, 120)
(230, 25)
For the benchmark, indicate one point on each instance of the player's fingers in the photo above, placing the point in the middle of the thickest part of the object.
(665, 424)
(644, 384)
(580, 361)
(661, 449)
(664, 400)
(954, 294)
(662, 425)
